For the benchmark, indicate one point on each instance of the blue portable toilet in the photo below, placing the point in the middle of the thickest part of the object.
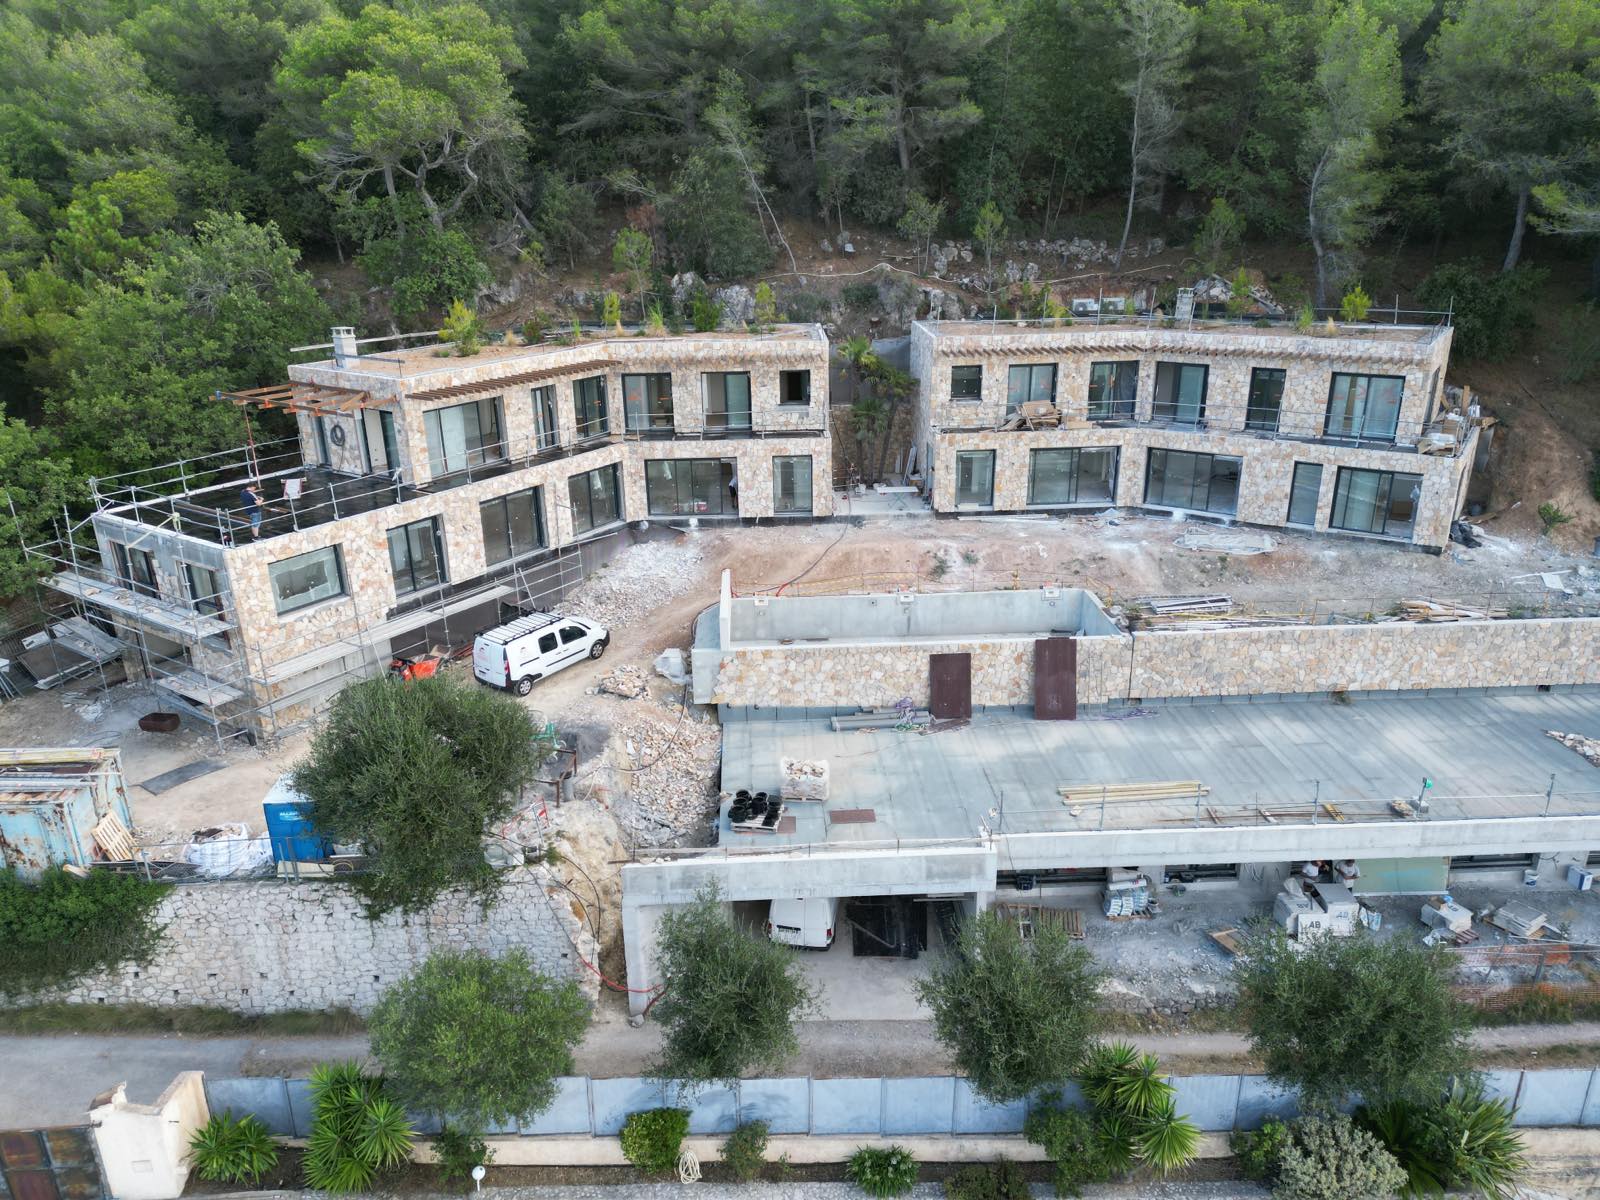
(288, 829)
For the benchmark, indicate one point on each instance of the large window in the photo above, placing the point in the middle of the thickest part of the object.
(975, 477)
(791, 483)
(594, 497)
(727, 399)
(1376, 502)
(794, 389)
(647, 401)
(1180, 393)
(416, 552)
(463, 436)
(1032, 381)
(1201, 482)
(690, 487)
(1304, 489)
(306, 578)
(1072, 476)
(589, 399)
(1266, 399)
(138, 569)
(512, 525)
(1364, 406)
(546, 433)
(966, 383)
(205, 589)
(1113, 390)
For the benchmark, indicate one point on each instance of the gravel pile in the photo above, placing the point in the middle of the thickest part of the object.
(632, 586)
(626, 681)
(667, 758)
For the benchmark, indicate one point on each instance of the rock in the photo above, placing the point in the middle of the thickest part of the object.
(626, 681)
(738, 305)
(1012, 272)
(682, 285)
(1030, 272)
(966, 253)
(825, 246)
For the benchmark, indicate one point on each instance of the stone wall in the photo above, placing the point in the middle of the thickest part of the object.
(271, 947)
(1166, 664)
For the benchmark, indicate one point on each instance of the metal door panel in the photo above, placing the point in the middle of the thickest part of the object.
(1055, 679)
(950, 686)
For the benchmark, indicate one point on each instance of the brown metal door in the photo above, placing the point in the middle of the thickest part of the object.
(1055, 679)
(950, 686)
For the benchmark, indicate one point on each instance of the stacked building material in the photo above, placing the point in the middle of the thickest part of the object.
(804, 779)
(1126, 898)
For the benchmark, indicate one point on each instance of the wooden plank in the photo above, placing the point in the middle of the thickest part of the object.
(1055, 679)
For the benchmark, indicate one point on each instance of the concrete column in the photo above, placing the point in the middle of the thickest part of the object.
(639, 943)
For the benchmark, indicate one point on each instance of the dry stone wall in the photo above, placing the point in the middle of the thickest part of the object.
(270, 946)
(870, 675)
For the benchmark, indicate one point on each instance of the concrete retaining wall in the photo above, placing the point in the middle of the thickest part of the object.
(271, 947)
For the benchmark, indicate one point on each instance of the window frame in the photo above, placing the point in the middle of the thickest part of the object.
(977, 396)
(208, 605)
(707, 413)
(1211, 476)
(778, 463)
(1074, 474)
(956, 474)
(546, 422)
(1362, 434)
(436, 538)
(783, 389)
(589, 407)
(1156, 403)
(484, 452)
(341, 580)
(1316, 499)
(588, 495)
(1385, 490)
(650, 417)
(535, 497)
(147, 583)
(1112, 412)
(686, 487)
(1033, 368)
(1252, 420)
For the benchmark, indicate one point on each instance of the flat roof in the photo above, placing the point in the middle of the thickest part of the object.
(1088, 327)
(1487, 754)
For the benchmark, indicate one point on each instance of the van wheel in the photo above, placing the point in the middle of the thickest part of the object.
(524, 685)
(596, 650)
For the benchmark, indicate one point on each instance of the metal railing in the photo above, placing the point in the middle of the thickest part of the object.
(1416, 318)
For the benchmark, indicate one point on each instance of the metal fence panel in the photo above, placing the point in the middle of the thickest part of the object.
(714, 1110)
(1260, 1099)
(1553, 1097)
(1591, 1106)
(614, 1099)
(1210, 1101)
(268, 1099)
(1502, 1085)
(300, 1106)
(568, 1112)
(784, 1104)
(924, 1105)
(846, 1106)
(974, 1114)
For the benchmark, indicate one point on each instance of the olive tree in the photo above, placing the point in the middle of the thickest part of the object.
(1016, 1015)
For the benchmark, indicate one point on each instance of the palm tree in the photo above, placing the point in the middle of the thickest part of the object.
(869, 418)
(857, 351)
(895, 386)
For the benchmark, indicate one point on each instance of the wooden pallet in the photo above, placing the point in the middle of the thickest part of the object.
(1228, 939)
(1124, 793)
(113, 838)
(1072, 919)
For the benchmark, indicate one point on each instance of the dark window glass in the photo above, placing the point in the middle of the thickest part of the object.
(1366, 407)
(1303, 491)
(138, 570)
(463, 436)
(1030, 382)
(727, 399)
(545, 430)
(595, 500)
(975, 477)
(1113, 390)
(690, 487)
(589, 399)
(1201, 482)
(966, 383)
(547, 643)
(1072, 476)
(794, 388)
(791, 483)
(417, 555)
(570, 634)
(1266, 399)
(306, 578)
(1180, 393)
(512, 525)
(647, 401)
(1376, 502)
(205, 589)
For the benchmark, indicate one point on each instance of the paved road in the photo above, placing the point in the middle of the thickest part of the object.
(50, 1080)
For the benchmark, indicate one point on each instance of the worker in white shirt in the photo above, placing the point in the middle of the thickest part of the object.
(1347, 871)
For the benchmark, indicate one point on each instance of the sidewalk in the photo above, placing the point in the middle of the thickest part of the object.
(49, 1080)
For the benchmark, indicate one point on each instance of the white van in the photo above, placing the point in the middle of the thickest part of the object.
(514, 655)
(808, 924)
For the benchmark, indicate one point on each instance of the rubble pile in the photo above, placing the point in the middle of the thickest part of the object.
(626, 681)
(634, 585)
(667, 759)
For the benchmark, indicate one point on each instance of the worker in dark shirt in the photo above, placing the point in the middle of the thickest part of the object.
(251, 499)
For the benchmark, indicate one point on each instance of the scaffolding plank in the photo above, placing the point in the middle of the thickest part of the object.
(128, 603)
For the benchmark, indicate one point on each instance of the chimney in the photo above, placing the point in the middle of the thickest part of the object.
(344, 345)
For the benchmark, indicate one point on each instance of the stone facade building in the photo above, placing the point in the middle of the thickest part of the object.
(1347, 430)
(425, 488)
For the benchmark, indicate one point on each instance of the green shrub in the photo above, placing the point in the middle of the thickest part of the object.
(1257, 1152)
(652, 1139)
(456, 1152)
(705, 314)
(1552, 515)
(745, 1151)
(1491, 313)
(357, 1132)
(1353, 307)
(225, 1150)
(611, 313)
(880, 1172)
(1463, 1141)
(1332, 1158)
(1001, 1180)
(462, 328)
(1074, 1142)
(1136, 1110)
(61, 927)
(534, 328)
(859, 296)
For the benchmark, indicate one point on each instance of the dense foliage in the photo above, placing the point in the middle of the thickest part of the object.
(1353, 1016)
(232, 1150)
(1329, 1157)
(416, 773)
(729, 1000)
(651, 1139)
(477, 1040)
(744, 1154)
(1460, 1141)
(999, 1180)
(358, 1132)
(882, 1170)
(1016, 1015)
(61, 927)
(456, 1152)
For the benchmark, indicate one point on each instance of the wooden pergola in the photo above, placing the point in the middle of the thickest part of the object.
(303, 398)
(484, 387)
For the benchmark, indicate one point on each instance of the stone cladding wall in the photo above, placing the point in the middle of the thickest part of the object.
(274, 946)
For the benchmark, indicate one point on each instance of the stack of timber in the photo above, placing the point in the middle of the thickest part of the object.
(1128, 793)
(1446, 610)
